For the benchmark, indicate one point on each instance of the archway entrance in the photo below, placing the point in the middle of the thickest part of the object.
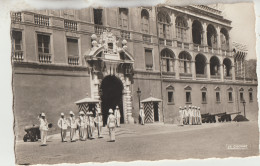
(112, 91)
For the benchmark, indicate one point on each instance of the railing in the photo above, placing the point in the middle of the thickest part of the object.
(147, 38)
(186, 45)
(16, 17)
(179, 44)
(161, 41)
(99, 29)
(227, 77)
(215, 76)
(186, 74)
(201, 76)
(239, 78)
(73, 60)
(44, 57)
(18, 56)
(149, 67)
(125, 34)
(224, 47)
(41, 20)
(168, 42)
(70, 25)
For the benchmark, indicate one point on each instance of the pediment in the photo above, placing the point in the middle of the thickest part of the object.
(187, 87)
(169, 87)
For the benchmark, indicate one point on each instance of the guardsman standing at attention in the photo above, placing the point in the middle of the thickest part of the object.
(111, 124)
(118, 116)
(190, 115)
(82, 126)
(63, 125)
(185, 115)
(91, 125)
(199, 116)
(43, 128)
(73, 126)
(142, 115)
(195, 116)
(181, 116)
(99, 121)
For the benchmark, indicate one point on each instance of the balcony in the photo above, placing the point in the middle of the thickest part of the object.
(147, 38)
(149, 67)
(73, 60)
(41, 20)
(186, 76)
(16, 17)
(186, 45)
(70, 25)
(125, 34)
(18, 56)
(99, 29)
(44, 58)
(201, 76)
(228, 77)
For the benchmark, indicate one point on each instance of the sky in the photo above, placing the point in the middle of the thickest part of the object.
(242, 16)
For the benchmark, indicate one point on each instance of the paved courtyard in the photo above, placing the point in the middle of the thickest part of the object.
(148, 142)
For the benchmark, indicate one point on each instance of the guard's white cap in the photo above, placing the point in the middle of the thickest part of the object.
(81, 113)
(62, 114)
(43, 114)
(110, 111)
(71, 113)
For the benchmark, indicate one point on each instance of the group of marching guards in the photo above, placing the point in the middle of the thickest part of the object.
(86, 123)
(190, 115)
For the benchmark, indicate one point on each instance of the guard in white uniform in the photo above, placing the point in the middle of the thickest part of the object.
(91, 125)
(43, 128)
(81, 123)
(190, 115)
(181, 116)
(185, 115)
(199, 116)
(111, 124)
(118, 116)
(73, 126)
(63, 125)
(99, 121)
(142, 115)
(195, 116)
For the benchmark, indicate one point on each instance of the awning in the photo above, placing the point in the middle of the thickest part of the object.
(87, 100)
(151, 99)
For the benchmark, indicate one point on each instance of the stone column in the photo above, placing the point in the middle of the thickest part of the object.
(193, 70)
(173, 34)
(128, 101)
(229, 43)
(189, 39)
(95, 91)
(176, 68)
(233, 72)
(205, 41)
(218, 38)
(221, 72)
(208, 70)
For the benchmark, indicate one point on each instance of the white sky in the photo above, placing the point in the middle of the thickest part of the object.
(243, 22)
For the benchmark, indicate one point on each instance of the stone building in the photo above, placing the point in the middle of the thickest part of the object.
(179, 55)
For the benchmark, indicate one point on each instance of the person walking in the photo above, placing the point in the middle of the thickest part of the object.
(118, 116)
(99, 121)
(43, 128)
(73, 126)
(63, 125)
(181, 116)
(111, 124)
(142, 115)
(81, 124)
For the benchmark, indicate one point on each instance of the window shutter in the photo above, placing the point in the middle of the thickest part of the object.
(161, 30)
(148, 58)
(72, 47)
(168, 32)
(164, 64)
(171, 65)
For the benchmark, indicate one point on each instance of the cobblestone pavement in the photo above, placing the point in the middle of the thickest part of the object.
(148, 142)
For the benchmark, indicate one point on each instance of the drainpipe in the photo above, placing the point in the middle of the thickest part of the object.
(160, 59)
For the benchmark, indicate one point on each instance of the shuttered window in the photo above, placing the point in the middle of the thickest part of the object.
(145, 21)
(43, 43)
(148, 59)
(123, 18)
(17, 40)
(72, 47)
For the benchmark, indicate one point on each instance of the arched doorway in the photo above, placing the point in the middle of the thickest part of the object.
(112, 91)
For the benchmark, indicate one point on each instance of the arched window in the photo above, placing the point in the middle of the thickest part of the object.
(200, 63)
(214, 66)
(185, 62)
(227, 67)
(164, 24)
(211, 36)
(145, 21)
(123, 18)
(167, 60)
(197, 32)
(224, 37)
(181, 28)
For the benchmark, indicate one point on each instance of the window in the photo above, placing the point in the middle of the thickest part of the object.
(145, 21)
(123, 18)
(98, 16)
(204, 97)
(164, 24)
(17, 40)
(167, 60)
(230, 96)
(217, 97)
(188, 97)
(181, 28)
(185, 62)
(170, 97)
(43, 43)
(241, 96)
(250, 96)
(72, 47)
(148, 59)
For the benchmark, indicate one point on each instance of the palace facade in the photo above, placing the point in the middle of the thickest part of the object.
(175, 56)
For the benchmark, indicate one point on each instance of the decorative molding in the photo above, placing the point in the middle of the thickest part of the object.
(187, 87)
(203, 88)
(217, 88)
(169, 87)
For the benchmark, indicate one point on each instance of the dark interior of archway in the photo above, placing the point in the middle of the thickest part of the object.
(196, 32)
(211, 36)
(214, 66)
(227, 64)
(200, 63)
(112, 89)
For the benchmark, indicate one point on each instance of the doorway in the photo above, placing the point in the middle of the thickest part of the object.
(156, 112)
(112, 91)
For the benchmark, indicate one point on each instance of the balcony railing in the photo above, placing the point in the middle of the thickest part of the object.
(179, 44)
(70, 25)
(73, 60)
(41, 20)
(161, 41)
(125, 34)
(227, 77)
(16, 17)
(44, 58)
(168, 43)
(186, 45)
(99, 29)
(201, 76)
(147, 38)
(18, 56)
(149, 67)
(215, 77)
